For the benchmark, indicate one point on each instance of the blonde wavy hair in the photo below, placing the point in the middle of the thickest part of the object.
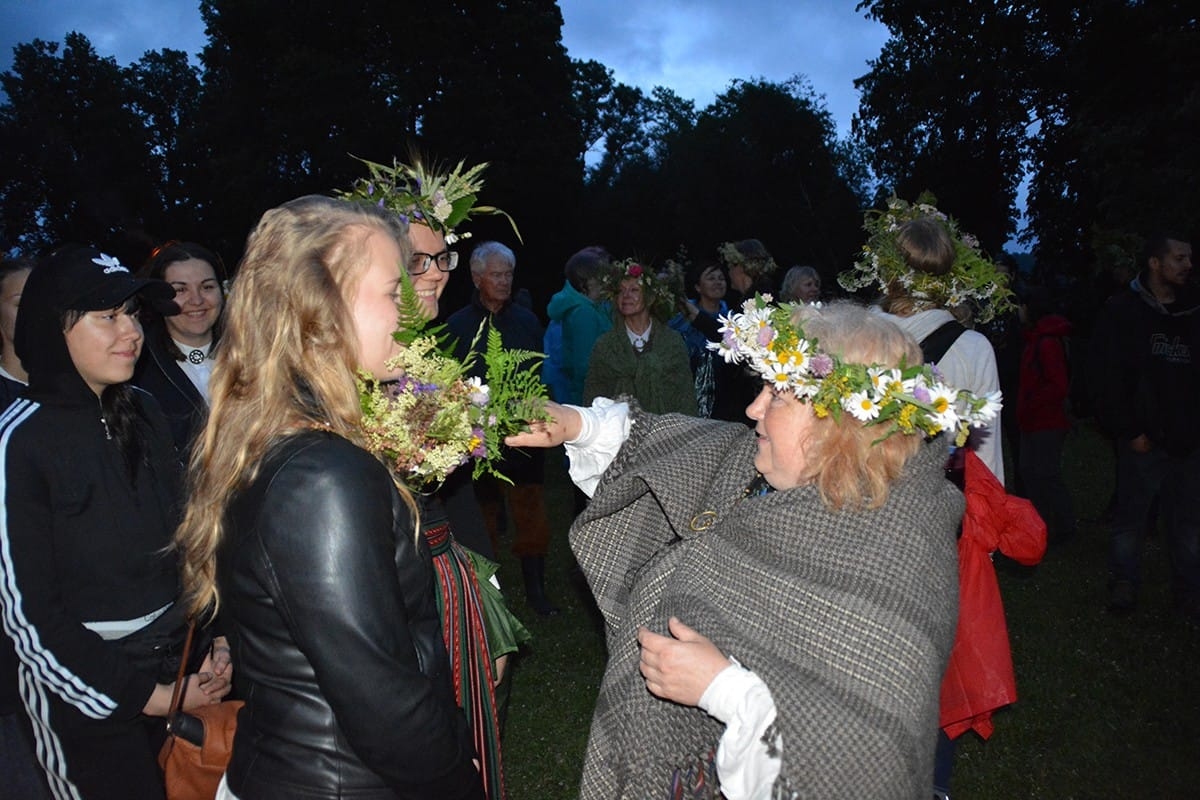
(286, 362)
(846, 462)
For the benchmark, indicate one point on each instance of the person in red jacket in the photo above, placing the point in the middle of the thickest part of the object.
(1042, 414)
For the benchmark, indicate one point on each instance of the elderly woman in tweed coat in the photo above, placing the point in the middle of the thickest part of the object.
(779, 602)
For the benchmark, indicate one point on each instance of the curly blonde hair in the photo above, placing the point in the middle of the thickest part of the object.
(285, 363)
(846, 461)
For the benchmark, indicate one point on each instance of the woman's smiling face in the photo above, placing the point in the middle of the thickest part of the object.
(430, 284)
(198, 295)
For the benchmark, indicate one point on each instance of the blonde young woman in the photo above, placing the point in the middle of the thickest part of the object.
(300, 539)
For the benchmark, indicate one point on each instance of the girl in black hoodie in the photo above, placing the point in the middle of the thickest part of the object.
(90, 499)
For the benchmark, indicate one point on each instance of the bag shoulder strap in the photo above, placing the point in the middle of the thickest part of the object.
(177, 693)
(935, 346)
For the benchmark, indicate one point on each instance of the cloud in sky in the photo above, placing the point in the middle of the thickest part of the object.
(695, 47)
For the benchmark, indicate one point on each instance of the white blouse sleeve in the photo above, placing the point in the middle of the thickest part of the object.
(604, 428)
(740, 699)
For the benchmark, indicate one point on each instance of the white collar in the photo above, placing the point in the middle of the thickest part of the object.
(639, 340)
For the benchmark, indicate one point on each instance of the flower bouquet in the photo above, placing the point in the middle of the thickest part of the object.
(434, 418)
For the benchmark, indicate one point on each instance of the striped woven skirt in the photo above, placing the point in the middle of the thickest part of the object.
(466, 641)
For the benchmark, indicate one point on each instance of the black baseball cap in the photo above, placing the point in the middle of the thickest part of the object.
(89, 280)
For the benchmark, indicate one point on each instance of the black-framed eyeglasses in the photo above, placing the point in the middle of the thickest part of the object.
(420, 262)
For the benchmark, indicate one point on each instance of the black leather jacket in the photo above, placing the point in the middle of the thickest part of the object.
(329, 603)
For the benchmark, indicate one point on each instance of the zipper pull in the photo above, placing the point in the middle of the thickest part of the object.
(107, 432)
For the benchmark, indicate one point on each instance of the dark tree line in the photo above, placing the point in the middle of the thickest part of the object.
(1096, 98)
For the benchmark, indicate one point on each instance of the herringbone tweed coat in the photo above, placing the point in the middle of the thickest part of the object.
(848, 616)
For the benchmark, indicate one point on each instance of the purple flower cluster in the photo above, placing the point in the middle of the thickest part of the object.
(406, 385)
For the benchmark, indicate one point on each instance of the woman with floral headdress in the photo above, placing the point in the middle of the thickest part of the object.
(779, 602)
(750, 269)
(479, 631)
(641, 357)
(930, 272)
(927, 269)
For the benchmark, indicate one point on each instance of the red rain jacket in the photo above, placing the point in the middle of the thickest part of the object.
(979, 678)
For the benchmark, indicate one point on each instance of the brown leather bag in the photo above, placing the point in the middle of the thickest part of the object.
(199, 742)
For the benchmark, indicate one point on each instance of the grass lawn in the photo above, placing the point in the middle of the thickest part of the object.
(1109, 707)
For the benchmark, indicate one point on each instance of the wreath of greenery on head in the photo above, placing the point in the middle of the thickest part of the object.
(662, 290)
(973, 279)
(419, 194)
(754, 266)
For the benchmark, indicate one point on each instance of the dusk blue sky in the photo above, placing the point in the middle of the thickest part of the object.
(694, 47)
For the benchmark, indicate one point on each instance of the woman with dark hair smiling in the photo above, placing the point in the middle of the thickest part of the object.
(177, 360)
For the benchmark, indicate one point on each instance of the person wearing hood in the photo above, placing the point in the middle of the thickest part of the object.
(91, 498)
(579, 308)
(1042, 420)
(1144, 347)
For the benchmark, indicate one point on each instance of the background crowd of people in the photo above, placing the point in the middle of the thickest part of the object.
(763, 565)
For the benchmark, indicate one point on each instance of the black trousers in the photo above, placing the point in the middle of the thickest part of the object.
(99, 759)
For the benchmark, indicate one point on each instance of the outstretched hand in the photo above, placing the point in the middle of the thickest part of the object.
(679, 667)
(563, 426)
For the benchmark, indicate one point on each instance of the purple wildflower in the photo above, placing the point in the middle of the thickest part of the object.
(370, 189)
(921, 394)
(765, 335)
(821, 365)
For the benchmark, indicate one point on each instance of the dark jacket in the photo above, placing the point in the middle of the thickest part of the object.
(10, 390)
(160, 374)
(519, 329)
(82, 540)
(518, 326)
(1145, 370)
(327, 597)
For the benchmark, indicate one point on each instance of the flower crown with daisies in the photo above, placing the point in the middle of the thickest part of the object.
(661, 290)
(420, 195)
(973, 279)
(905, 399)
(754, 266)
